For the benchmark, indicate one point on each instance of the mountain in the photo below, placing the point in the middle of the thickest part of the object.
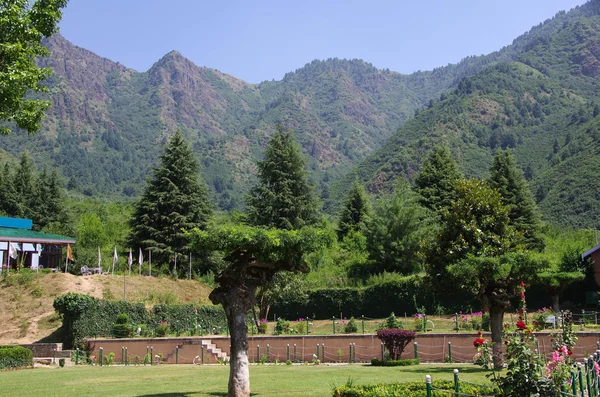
(541, 102)
(107, 122)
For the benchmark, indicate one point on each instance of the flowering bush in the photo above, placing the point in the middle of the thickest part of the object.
(540, 317)
(395, 340)
(262, 326)
(299, 327)
(483, 357)
(282, 326)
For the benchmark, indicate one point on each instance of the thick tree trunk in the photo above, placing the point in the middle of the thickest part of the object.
(239, 375)
(496, 324)
(556, 303)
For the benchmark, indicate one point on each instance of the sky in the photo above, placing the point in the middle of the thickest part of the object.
(262, 40)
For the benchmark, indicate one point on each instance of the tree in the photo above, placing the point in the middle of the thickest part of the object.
(473, 250)
(283, 197)
(254, 255)
(509, 180)
(570, 270)
(9, 200)
(356, 212)
(23, 183)
(397, 232)
(23, 24)
(48, 204)
(173, 201)
(437, 180)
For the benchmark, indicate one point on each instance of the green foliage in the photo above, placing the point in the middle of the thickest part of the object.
(22, 26)
(15, 357)
(506, 178)
(61, 362)
(85, 316)
(173, 202)
(351, 327)
(122, 328)
(437, 179)
(394, 363)
(397, 233)
(392, 322)
(283, 197)
(355, 213)
(412, 389)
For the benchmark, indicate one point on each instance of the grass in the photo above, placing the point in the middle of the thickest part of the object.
(189, 380)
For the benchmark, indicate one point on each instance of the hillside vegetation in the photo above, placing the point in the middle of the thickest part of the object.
(27, 298)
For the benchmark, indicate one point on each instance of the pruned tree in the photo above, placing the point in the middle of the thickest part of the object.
(569, 270)
(254, 256)
(174, 200)
(23, 24)
(437, 180)
(395, 340)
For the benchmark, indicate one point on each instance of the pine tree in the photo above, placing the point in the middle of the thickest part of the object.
(173, 201)
(283, 198)
(9, 200)
(356, 211)
(23, 183)
(48, 206)
(509, 180)
(437, 180)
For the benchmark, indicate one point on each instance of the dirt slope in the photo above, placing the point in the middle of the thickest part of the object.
(26, 299)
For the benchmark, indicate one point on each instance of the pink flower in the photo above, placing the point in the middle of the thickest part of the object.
(597, 368)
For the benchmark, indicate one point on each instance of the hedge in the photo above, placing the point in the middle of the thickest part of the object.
(15, 357)
(85, 316)
(394, 363)
(413, 389)
(377, 301)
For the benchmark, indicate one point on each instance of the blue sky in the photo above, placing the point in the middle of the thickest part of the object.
(263, 40)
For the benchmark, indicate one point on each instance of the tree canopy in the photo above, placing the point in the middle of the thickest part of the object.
(356, 212)
(23, 24)
(438, 178)
(283, 198)
(175, 200)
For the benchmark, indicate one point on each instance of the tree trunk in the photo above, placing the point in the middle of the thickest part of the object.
(239, 375)
(496, 324)
(556, 303)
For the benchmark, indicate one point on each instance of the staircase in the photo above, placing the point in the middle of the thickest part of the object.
(211, 349)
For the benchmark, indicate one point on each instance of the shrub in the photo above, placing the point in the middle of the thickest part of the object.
(122, 329)
(262, 326)
(163, 328)
(15, 357)
(412, 389)
(392, 322)
(282, 326)
(395, 340)
(394, 363)
(351, 327)
(61, 362)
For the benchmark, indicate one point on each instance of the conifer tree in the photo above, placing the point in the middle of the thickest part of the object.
(48, 205)
(356, 211)
(9, 203)
(23, 183)
(509, 180)
(173, 201)
(283, 198)
(437, 180)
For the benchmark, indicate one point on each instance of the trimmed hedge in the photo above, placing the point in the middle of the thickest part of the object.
(376, 301)
(15, 357)
(85, 316)
(394, 363)
(413, 389)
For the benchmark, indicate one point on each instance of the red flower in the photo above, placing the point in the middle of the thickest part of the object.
(521, 325)
(478, 342)
(522, 284)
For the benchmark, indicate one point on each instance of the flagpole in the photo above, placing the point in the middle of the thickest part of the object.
(8, 259)
(190, 265)
(124, 285)
(67, 260)
(149, 262)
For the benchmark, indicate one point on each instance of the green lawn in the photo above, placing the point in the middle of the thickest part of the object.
(189, 380)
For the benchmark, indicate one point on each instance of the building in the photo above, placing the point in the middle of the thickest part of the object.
(593, 255)
(21, 245)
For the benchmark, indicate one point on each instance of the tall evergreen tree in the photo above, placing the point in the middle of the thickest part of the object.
(48, 205)
(10, 204)
(174, 200)
(509, 180)
(356, 211)
(23, 182)
(283, 197)
(437, 180)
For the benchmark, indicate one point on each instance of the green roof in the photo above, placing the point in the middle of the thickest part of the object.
(30, 236)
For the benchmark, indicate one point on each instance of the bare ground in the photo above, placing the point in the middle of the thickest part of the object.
(26, 302)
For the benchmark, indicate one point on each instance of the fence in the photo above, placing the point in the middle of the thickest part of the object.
(583, 383)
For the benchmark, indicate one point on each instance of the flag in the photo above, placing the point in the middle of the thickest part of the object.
(130, 260)
(12, 251)
(70, 253)
(140, 260)
(115, 259)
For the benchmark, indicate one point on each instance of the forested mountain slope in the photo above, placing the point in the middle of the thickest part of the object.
(543, 104)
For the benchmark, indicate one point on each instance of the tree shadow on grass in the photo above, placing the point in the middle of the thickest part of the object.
(58, 336)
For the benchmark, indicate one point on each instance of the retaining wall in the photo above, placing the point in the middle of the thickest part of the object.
(432, 347)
